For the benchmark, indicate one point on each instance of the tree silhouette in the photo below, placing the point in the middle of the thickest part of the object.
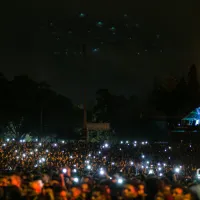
(193, 87)
(177, 97)
(103, 100)
(166, 97)
(181, 97)
(122, 113)
(25, 97)
(193, 79)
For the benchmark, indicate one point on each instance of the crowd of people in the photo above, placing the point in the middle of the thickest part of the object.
(84, 171)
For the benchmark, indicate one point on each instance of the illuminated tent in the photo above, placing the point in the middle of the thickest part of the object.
(193, 117)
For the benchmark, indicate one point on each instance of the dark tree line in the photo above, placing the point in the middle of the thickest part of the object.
(177, 97)
(46, 112)
(170, 99)
(43, 110)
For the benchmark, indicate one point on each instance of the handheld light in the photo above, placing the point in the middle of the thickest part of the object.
(102, 172)
(151, 171)
(177, 170)
(198, 173)
(89, 167)
(76, 180)
(120, 181)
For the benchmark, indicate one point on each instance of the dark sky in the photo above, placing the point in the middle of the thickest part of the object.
(128, 43)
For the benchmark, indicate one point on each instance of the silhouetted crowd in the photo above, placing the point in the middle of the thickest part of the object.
(84, 171)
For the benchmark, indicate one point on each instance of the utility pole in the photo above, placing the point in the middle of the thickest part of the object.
(41, 121)
(40, 87)
(85, 131)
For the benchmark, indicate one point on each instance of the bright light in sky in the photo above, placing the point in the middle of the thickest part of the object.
(95, 50)
(82, 15)
(99, 24)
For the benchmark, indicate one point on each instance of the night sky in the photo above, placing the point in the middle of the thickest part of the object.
(128, 43)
